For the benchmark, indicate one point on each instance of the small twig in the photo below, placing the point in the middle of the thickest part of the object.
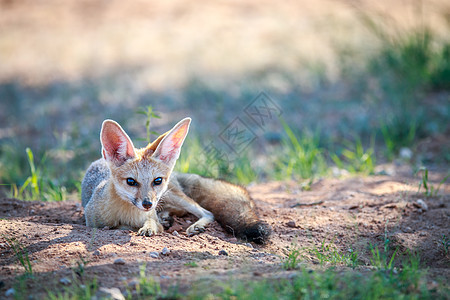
(307, 204)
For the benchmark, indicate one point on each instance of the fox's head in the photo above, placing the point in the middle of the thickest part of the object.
(141, 176)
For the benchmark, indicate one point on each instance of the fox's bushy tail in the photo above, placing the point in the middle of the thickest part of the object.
(230, 204)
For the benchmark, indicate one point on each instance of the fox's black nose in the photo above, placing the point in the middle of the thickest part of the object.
(147, 204)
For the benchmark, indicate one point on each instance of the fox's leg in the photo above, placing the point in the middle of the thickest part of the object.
(151, 226)
(178, 203)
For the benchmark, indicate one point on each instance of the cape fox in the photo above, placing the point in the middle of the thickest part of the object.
(136, 189)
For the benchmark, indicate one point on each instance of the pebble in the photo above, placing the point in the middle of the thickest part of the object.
(223, 252)
(405, 153)
(175, 233)
(119, 261)
(291, 223)
(407, 229)
(10, 292)
(96, 252)
(133, 283)
(65, 281)
(249, 245)
(154, 254)
(421, 204)
(110, 293)
(165, 251)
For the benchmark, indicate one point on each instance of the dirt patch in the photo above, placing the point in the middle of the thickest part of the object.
(350, 213)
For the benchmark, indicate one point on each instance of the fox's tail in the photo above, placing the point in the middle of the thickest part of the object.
(230, 204)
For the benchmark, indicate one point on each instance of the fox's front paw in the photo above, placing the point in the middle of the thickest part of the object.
(195, 229)
(199, 226)
(150, 228)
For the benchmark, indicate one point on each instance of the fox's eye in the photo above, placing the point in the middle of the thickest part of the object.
(157, 181)
(132, 182)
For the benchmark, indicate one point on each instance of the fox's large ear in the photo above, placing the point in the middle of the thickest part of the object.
(150, 149)
(169, 148)
(116, 145)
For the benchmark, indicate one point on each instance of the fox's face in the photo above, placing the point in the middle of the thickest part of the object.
(141, 181)
(141, 176)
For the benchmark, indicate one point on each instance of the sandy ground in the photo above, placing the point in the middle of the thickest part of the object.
(349, 213)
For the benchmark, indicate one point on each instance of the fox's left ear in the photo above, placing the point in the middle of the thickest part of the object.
(169, 147)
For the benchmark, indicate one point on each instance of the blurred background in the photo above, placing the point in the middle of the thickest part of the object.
(277, 90)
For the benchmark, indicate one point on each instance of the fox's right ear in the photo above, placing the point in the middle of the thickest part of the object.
(116, 145)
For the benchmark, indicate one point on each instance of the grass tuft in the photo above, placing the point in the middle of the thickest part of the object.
(21, 254)
(355, 158)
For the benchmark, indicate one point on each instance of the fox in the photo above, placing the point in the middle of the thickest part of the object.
(137, 189)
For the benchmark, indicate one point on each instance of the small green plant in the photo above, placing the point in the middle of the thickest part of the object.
(300, 157)
(79, 269)
(356, 158)
(292, 259)
(445, 244)
(76, 291)
(191, 264)
(37, 186)
(328, 253)
(382, 260)
(33, 180)
(147, 286)
(429, 189)
(408, 283)
(22, 255)
(150, 113)
(80, 287)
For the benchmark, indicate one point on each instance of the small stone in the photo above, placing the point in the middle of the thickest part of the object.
(10, 292)
(133, 283)
(405, 153)
(110, 293)
(65, 281)
(175, 233)
(96, 253)
(407, 229)
(119, 261)
(165, 251)
(291, 224)
(248, 245)
(154, 254)
(164, 277)
(223, 252)
(421, 204)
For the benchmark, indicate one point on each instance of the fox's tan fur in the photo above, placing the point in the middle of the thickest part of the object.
(109, 201)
